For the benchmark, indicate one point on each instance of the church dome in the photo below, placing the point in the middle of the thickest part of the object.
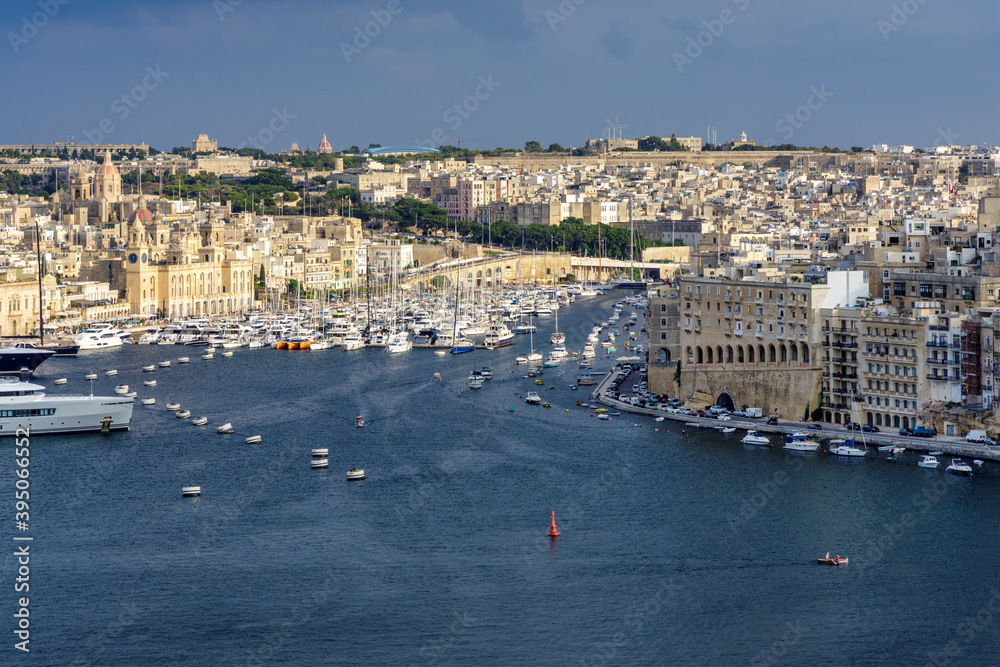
(141, 214)
(324, 146)
(108, 169)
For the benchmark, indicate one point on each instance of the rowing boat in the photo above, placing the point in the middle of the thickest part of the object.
(831, 561)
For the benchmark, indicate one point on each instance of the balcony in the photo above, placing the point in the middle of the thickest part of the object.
(941, 362)
(847, 345)
(940, 378)
(938, 343)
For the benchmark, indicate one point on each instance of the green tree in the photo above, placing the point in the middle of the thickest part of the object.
(556, 148)
(652, 144)
(532, 147)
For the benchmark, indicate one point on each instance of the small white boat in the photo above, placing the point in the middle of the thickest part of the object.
(848, 449)
(928, 462)
(148, 369)
(440, 353)
(183, 414)
(131, 394)
(227, 353)
(659, 419)
(208, 355)
(121, 389)
(355, 474)
(977, 463)
(149, 383)
(532, 398)
(800, 442)
(755, 438)
(90, 376)
(184, 360)
(359, 422)
(886, 448)
(224, 429)
(319, 463)
(722, 429)
(60, 381)
(190, 491)
(603, 416)
(164, 364)
(173, 407)
(959, 467)
(200, 421)
(320, 452)
(149, 401)
(253, 440)
(111, 372)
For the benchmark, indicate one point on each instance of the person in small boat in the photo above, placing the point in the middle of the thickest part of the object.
(828, 555)
(837, 559)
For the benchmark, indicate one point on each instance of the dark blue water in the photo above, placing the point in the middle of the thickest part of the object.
(675, 549)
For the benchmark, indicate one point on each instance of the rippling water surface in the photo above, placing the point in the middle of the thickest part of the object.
(675, 548)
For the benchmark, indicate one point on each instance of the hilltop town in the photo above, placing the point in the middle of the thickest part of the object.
(835, 286)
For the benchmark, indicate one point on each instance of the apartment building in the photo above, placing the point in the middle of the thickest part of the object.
(758, 342)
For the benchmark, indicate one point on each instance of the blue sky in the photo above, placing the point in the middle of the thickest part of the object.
(852, 72)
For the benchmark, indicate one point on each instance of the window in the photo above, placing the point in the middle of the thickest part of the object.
(36, 412)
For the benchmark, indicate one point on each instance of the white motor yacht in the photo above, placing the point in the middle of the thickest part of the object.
(397, 343)
(755, 438)
(24, 405)
(959, 467)
(532, 398)
(353, 341)
(800, 442)
(928, 462)
(99, 337)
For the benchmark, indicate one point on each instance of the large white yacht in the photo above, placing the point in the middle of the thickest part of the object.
(98, 337)
(24, 405)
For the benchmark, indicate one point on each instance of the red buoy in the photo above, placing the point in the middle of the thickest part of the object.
(553, 532)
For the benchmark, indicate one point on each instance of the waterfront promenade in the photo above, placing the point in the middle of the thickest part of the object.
(949, 445)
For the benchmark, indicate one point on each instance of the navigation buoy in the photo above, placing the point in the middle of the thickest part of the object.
(553, 532)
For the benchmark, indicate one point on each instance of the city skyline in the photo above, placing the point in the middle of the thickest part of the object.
(397, 74)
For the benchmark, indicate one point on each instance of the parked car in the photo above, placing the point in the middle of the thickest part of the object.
(868, 428)
(815, 427)
(905, 431)
(853, 426)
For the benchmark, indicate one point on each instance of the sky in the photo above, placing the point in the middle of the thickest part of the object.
(267, 73)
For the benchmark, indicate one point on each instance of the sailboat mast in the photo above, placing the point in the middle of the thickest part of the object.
(41, 301)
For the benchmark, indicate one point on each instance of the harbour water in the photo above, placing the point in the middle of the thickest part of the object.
(674, 548)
